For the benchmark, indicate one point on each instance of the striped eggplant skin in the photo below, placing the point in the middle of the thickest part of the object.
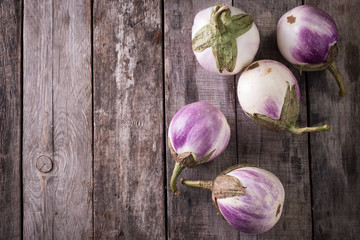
(199, 128)
(260, 207)
(247, 44)
(305, 35)
(262, 87)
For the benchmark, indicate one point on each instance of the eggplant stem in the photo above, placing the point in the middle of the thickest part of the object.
(218, 14)
(300, 131)
(221, 10)
(198, 183)
(332, 67)
(176, 173)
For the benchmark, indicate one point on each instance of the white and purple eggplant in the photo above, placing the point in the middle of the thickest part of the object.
(249, 198)
(269, 94)
(224, 39)
(198, 133)
(307, 37)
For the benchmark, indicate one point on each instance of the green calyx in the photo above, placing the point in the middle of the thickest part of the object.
(224, 186)
(184, 160)
(221, 34)
(188, 159)
(330, 64)
(289, 113)
(288, 117)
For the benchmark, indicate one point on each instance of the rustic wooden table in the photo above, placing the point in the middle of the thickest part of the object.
(88, 89)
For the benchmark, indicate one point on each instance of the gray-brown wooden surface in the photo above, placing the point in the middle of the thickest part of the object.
(87, 92)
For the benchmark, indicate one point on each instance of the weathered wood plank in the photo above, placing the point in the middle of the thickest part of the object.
(334, 156)
(128, 118)
(191, 215)
(10, 119)
(57, 124)
(284, 154)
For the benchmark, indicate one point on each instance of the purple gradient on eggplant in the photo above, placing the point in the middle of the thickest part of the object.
(200, 128)
(317, 46)
(314, 45)
(272, 108)
(256, 211)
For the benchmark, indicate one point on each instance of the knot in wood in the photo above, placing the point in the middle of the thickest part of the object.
(44, 164)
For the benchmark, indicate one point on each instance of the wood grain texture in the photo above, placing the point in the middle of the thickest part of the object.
(10, 119)
(128, 118)
(191, 215)
(57, 119)
(282, 153)
(131, 158)
(335, 156)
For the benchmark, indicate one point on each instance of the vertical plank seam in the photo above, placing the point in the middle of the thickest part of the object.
(164, 116)
(52, 82)
(236, 124)
(52, 112)
(92, 117)
(21, 117)
(309, 154)
(236, 117)
(309, 150)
